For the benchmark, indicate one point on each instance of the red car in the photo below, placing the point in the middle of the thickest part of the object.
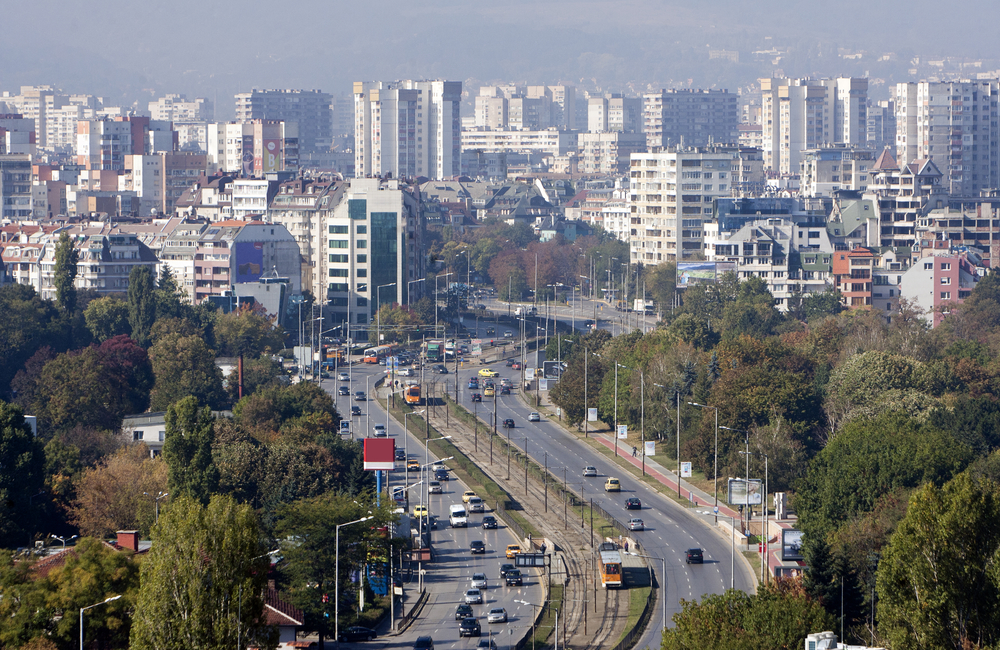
(516, 365)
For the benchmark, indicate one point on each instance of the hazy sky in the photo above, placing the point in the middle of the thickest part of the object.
(133, 50)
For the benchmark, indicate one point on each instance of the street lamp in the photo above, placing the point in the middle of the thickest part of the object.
(436, 278)
(663, 576)
(378, 310)
(732, 549)
(83, 609)
(63, 539)
(409, 301)
(405, 415)
(336, 580)
(156, 502)
(533, 605)
(747, 476)
(764, 527)
(716, 480)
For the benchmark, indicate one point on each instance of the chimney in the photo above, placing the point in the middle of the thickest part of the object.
(128, 539)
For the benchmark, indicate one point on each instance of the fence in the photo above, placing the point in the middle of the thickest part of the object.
(633, 636)
(404, 621)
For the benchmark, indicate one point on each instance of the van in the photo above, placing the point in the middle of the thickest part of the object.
(457, 516)
(475, 504)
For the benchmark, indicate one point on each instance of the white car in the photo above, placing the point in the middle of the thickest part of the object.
(497, 615)
(534, 417)
(343, 377)
(479, 581)
(434, 487)
(590, 470)
(437, 467)
(636, 524)
(379, 431)
(474, 597)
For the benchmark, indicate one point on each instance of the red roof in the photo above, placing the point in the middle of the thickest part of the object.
(279, 612)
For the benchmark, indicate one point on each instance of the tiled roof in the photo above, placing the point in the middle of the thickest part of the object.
(279, 612)
(885, 162)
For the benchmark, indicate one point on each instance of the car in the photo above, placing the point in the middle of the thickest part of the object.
(632, 503)
(400, 454)
(438, 467)
(344, 390)
(419, 511)
(497, 615)
(406, 372)
(510, 362)
(488, 372)
(694, 556)
(636, 524)
(489, 383)
(534, 417)
(423, 643)
(512, 550)
(476, 505)
(516, 366)
(489, 521)
(463, 611)
(476, 397)
(513, 578)
(474, 597)
(441, 475)
(434, 487)
(508, 423)
(476, 546)
(440, 369)
(508, 334)
(486, 644)
(612, 485)
(490, 331)
(489, 391)
(469, 627)
(505, 568)
(505, 390)
(379, 431)
(356, 633)
(504, 381)
(588, 323)
(343, 377)
(468, 494)
(479, 581)
(590, 470)
(473, 384)
(360, 396)
(413, 465)
(464, 349)
(355, 410)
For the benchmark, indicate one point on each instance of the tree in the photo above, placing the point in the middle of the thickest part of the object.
(107, 317)
(119, 493)
(203, 581)
(187, 448)
(183, 366)
(938, 581)
(661, 283)
(22, 464)
(64, 275)
(395, 322)
(141, 303)
(258, 373)
(29, 323)
(864, 378)
(819, 304)
(169, 299)
(973, 422)
(249, 332)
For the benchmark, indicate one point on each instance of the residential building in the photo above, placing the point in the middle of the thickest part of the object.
(308, 110)
(251, 196)
(491, 112)
(830, 169)
(936, 283)
(298, 205)
(177, 108)
(748, 172)
(800, 114)
(548, 142)
(159, 180)
(252, 148)
(103, 144)
(608, 153)
(903, 195)
(17, 134)
(953, 124)
(15, 187)
(408, 128)
(882, 126)
(688, 117)
(614, 112)
(963, 223)
(852, 276)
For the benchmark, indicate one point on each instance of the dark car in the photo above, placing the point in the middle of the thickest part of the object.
(633, 504)
(489, 521)
(423, 643)
(356, 633)
(360, 396)
(508, 423)
(355, 410)
(440, 369)
(441, 475)
(490, 331)
(477, 397)
(344, 390)
(505, 390)
(513, 578)
(510, 362)
(476, 546)
(469, 627)
(400, 454)
(694, 556)
(505, 568)
(463, 612)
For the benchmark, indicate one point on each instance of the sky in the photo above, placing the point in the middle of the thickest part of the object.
(129, 51)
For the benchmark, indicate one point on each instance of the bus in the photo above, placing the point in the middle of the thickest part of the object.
(433, 351)
(412, 394)
(611, 568)
(376, 354)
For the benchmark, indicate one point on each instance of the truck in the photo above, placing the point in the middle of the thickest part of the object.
(644, 306)
(525, 311)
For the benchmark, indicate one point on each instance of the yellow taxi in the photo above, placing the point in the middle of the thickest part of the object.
(488, 372)
(489, 391)
(612, 485)
(468, 494)
(512, 550)
(413, 466)
(419, 511)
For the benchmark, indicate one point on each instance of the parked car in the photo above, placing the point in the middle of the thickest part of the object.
(632, 503)
(360, 396)
(423, 643)
(356, 633)
(513, 578)
(355, 410)
(479, 581)
(636, 524)
(508, 423)
(474, 597)
(497, 615)
(476, 397)
(590, 470)
(534, 417)
(469, 627)
(463, 611)
(344, 390)
(477, 547)
(489, 521)
(694, 556)
(343, 377)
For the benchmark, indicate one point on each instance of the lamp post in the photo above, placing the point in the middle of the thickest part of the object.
(336, 579)
(156, 502)
(425, 503)
(436, 278)
(662, 577)
(409, 301)
(765, 572)
(732, 550)
(747, 476)
(533, 605)
(406, 415)
(378, 310)
(716, 479)
(63, 539)
(83, 609)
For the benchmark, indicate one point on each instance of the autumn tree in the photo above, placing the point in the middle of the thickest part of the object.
(258, 373)
(395, 323)
(119, 493)
(107, 317)
(184, 366)
(187, 450)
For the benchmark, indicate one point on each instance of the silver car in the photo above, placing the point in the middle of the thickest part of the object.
(474, 597)
(636, 524)
(497, 615)
(479, 581)
(590, 470)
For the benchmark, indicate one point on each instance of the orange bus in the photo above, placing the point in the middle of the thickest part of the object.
(376, 354)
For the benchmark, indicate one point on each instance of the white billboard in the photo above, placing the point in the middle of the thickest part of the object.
(739, 495)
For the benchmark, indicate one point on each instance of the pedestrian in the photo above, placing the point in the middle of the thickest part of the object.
(626, 546)
(634, 452)
(543, 548)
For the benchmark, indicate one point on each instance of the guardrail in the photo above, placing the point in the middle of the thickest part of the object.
(408, 617)
(633, 636)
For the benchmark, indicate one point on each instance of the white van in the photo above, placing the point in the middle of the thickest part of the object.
(475, 504)
(457, 516)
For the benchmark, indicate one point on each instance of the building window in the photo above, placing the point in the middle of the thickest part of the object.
(945, 295)
(362, 273)
(362, 319)
(337, 286)
(339, 230)
(339, 259)
(338, 273)
(945, 266)
(362, 302)
(928, 266)
(362, 259)
(338, 243)
(362, 229)
(362, 243)
(946, 280)
(137, 435)
(363, 287)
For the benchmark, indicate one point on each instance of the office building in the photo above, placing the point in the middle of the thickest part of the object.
(308, 110)
(692, 118)
(408, 129)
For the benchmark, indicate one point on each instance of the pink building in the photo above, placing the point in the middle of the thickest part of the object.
(937, 282)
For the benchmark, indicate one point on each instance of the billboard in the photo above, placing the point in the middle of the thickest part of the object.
(686, 470)
(740, 496)
(622, 431)
(249, 261)
(591, 415)
(380, 453)
(650, 448)
(791, 545)
(248, 158)
(689, 273)
(272, 155)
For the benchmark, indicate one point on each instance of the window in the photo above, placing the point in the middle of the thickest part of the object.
(946, 280)
(928, 266)
(362, 230)
(362, 302)
(337, 286)
(137, 435)
(338, 273)
(945, 295)
(338, 243)
(339, 230)
(339, 259)
(362, 259)
(363, 287)
(945, 266)
(362, 243)
(362, 273)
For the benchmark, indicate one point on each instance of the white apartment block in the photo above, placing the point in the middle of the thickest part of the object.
(614, 112)
(955, 125)
(691, 118)
(671, 196)
(608, 154)
(549, 142)
(526, 107)
(307, 110)
(826, 170)
(408, 128)
(800, 114)
(177, 108)
(252, 148)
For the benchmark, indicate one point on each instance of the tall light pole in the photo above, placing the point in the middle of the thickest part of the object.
(378, 310)
(83, 609)
(436, 278)
(747, 435)
(409, 300)
(406, 415)
(678, 396)
(716, 480)
(336, 580)
(663, 576)
(765, 570)
(156, 502)
(63, 539)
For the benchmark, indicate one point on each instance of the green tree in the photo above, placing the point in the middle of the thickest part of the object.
(107, 317)
(863, 380)
(938, 580)
(822, 303)
(396, 323)
(187, 448)
(169, 299)
(183, 366)
(973, 422)
(29, 323)
(257, 373)
(64, 275)
(249, 332)
(203, 581)
(141, 303)
(661, 284)
(22, 466)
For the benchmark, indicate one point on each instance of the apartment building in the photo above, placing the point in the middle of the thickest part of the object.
(526, 107)
(17, 134)
(408, 128)
(955, 125)
(372, 254)
(671, 196)
(15, 187)
(882, 126)
(903, 195)
(252, 148)
(608, 154)
(177, 108)
(963, 223)
(614, 112)
(552, 142)
(938, 282)
(299, 205)
(159, 180)
(103, 144)
(688, 117)
(800, 114)
(308, 110)
(830, 169)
